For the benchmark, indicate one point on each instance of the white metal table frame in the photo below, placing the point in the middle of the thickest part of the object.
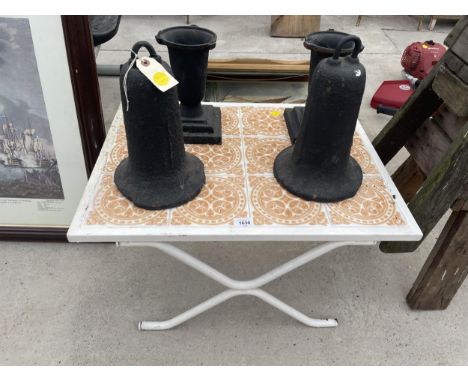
(158, 237)
(239, 288)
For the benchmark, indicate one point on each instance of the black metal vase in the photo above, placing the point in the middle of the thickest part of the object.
(188, 48)
(321, 45)
(319, 165)
(158, 172)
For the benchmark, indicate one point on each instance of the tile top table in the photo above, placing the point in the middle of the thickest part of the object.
(241, 199)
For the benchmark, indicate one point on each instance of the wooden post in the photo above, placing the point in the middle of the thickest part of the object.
(445, 269)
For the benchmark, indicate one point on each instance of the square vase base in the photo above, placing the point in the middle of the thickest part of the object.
(203, 129)
(293, 117)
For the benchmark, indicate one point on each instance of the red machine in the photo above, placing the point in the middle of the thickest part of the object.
(419, 57)
(391, 95)
(417, 61)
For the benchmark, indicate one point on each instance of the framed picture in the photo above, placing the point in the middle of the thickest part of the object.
(51, 125)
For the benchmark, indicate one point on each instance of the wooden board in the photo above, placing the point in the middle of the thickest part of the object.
(449, 121)
(408, 178)
(456, 31)
(428, 145)
(457, 66)
(445, 269)
(259, 65)
(460, 45)
(461, 204)
(294, 26)
(452, 90)
(446, 183)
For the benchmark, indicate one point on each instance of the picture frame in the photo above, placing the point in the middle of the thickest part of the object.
(59, 166)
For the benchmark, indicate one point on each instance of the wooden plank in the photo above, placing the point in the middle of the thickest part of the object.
(460, 44)
(460, 205)
(449, 121)
(408, 178)
(442, 187)
(294, 26)
(408, 119)
(452, 90)
(445, 269)
(456, 31)
(258, 65)
(457, 66)
(428, 145)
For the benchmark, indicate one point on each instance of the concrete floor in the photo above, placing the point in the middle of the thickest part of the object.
(76, 304)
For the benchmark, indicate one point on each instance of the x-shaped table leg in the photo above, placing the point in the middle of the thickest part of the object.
(237, 287)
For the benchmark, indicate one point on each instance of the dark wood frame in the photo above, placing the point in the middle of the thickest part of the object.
(82, 65)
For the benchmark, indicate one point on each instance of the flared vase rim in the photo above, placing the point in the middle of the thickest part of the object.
(312, 45)
(171, 44)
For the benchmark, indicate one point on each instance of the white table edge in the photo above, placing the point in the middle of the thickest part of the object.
(80, 233)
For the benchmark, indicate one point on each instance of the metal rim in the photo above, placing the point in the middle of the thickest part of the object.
(310, 44)
(164, 41)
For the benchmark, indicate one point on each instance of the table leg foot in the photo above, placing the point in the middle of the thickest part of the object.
(294, 313)
(187, 315)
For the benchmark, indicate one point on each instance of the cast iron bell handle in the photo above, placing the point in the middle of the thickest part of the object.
(144, 44)
(344, 40)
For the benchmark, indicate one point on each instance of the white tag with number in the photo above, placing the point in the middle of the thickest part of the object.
(242, 222)
(156, 73)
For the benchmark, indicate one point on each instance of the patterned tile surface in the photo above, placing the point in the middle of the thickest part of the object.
(240, 185)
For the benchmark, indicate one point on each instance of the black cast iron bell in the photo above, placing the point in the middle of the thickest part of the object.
(319, 166)
(321, 45)
(188, 48)
(158, 172)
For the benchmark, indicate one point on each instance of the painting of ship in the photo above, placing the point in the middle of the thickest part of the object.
(21, 150)
(28, 162)
(29, 165)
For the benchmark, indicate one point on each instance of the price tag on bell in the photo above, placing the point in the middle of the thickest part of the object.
(156, 73)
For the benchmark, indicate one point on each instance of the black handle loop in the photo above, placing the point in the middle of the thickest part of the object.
(344, 40)
(144, 44)
(381, 109)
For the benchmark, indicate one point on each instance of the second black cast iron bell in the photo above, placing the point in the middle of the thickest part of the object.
(321, 45)
(158, 172)
(188, 48)
(319, 165)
